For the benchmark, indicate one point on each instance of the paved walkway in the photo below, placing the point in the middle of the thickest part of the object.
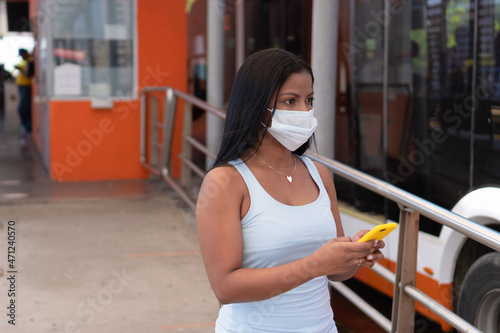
(102, 257)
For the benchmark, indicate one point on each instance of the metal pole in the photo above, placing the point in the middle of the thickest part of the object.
(215, 71)
(361, 304)
(324, 64)
(451, 318)
(154, 153)
(169, 112)
(385, 84)
(187, 150)
(240, 33)
(143, 127)
(407, 269)
(397, 276)
(473, 94)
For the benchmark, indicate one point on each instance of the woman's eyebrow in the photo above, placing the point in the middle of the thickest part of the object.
(295, 94)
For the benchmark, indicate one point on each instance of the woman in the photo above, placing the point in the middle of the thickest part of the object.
(267, 218)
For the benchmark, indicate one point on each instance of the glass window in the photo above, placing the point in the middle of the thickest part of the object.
(441, 137)
(282, 24)
(366, 47)
(93, 48)
(486, 131)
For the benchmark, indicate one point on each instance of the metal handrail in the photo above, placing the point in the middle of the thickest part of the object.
(464, 226)
(361, 304)
(443, 313)
(411, 206)
(201, 104)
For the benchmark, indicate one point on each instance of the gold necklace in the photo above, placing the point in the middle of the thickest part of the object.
(289, 178)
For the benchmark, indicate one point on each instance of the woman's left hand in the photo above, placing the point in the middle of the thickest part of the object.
(374, 256)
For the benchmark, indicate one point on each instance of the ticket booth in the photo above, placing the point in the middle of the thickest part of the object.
(93, 57)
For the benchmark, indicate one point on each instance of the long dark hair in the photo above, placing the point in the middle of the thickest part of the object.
(261, 74)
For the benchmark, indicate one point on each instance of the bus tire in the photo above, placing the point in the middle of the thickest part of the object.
(479, 301)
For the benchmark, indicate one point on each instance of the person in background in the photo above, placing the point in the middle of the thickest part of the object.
(268, 220)
(23, 81)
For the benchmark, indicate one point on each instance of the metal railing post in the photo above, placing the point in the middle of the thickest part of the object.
(154, 138)
(169, 111)
(187, 151)
(143, 158)
(403, 309)
(397, 276)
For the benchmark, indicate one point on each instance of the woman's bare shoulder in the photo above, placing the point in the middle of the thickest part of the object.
(223, 175)
(323, 170)
(326, 176)
(222, 183)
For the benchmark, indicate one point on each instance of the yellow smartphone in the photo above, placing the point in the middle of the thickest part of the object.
(378, 232)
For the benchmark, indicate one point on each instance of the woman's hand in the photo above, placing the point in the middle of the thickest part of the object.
(375, 255)
(340, 256)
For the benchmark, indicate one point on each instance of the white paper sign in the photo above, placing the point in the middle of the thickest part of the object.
(68, 80)
(115, 31)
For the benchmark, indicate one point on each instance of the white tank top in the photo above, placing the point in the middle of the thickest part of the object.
(276, 234)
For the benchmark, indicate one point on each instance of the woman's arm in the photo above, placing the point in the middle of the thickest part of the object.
(374, 255)
(218, 217)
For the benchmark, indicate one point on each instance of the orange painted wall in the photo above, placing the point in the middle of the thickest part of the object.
(94, 144)
(88, 144)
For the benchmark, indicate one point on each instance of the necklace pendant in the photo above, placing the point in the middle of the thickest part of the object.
(289, 178)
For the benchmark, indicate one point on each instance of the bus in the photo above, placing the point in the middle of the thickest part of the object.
(418, 106)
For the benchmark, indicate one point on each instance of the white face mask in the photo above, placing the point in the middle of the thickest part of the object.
(292, 128)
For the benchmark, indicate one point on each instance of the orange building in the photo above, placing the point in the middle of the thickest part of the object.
(93, 58)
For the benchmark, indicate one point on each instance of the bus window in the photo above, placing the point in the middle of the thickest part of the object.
(486, 144)
(441, 135)
(361, 59)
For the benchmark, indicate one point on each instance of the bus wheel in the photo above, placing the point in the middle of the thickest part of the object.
(479, 301)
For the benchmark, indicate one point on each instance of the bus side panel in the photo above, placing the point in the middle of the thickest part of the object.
(442, 293)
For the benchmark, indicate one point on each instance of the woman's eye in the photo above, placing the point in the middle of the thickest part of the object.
(289, 101)
(310, 101)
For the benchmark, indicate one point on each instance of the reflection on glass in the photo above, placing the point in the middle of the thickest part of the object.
(281, 25)
(96, 37)
(443, 96)
(366, 49)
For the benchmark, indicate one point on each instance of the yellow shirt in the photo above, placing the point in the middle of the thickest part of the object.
(21, 79)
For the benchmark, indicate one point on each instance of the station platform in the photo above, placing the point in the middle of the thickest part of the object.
(110, 256)
(100, 257)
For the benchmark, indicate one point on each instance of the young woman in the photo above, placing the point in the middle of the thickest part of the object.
(267, 218)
